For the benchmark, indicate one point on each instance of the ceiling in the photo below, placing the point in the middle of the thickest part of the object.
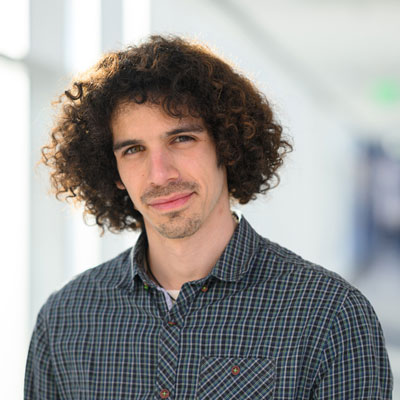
(346, 51)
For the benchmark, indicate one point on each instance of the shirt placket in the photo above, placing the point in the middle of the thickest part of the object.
(170, 341)
(168, 351)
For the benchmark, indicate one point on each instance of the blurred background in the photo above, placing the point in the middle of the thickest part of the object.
(330, 68)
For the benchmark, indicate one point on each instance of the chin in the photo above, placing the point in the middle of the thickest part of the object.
(182, 230)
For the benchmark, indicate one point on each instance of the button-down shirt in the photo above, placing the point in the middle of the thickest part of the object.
(263, 324)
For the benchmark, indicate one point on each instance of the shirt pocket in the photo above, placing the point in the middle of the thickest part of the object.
(236, 378)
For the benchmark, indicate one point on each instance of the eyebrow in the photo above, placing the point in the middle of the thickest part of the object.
(185, 128)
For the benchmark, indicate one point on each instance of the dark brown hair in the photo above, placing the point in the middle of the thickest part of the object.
(183, 78)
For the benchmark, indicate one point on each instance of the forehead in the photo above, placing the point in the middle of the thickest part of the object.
(147, 116)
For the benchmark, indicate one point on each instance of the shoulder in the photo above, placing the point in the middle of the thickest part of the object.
(305, 282)
(83, 288)
(277, 261)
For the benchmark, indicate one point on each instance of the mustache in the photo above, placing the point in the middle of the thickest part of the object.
(172, 187)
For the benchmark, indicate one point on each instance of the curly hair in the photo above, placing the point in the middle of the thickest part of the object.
(183, 78)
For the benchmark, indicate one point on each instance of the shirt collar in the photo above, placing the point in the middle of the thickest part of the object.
(235, 260)
(232, 264)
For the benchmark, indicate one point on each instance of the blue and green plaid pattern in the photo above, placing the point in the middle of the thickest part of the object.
(264, 324)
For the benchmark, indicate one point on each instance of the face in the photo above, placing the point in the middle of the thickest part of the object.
(169, 168)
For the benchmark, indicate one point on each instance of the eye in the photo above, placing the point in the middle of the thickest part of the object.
(133, 149)
(183, 138)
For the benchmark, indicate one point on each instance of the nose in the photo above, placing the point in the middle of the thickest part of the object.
(161, 168)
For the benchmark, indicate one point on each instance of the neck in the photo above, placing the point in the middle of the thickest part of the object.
(174, 262)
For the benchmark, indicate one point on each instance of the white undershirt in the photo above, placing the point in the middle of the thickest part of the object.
(174, 293)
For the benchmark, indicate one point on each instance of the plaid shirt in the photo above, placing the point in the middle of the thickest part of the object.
(264, 324)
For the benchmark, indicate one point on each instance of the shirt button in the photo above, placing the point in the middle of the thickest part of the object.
(235, 370)
(164, 394)
(204, 289)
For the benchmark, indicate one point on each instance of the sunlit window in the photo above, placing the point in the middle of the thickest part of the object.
(14, 28)
(136, 20)
(82, 41)
(14, 203)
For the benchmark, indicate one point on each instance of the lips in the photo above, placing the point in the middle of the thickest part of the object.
(171, 202)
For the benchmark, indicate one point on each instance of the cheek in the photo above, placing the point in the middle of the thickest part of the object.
(128, 172)
(130, 181)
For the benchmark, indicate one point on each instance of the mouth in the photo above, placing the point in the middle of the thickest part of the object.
(172, 202)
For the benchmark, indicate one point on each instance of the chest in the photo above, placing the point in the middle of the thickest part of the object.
(213, 345)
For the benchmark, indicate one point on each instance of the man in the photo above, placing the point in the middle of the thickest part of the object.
(162, 137)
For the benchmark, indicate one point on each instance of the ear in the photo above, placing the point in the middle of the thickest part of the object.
(120, 185)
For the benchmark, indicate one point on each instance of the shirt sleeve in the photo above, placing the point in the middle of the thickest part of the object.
(355, 363)
(39, 375)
